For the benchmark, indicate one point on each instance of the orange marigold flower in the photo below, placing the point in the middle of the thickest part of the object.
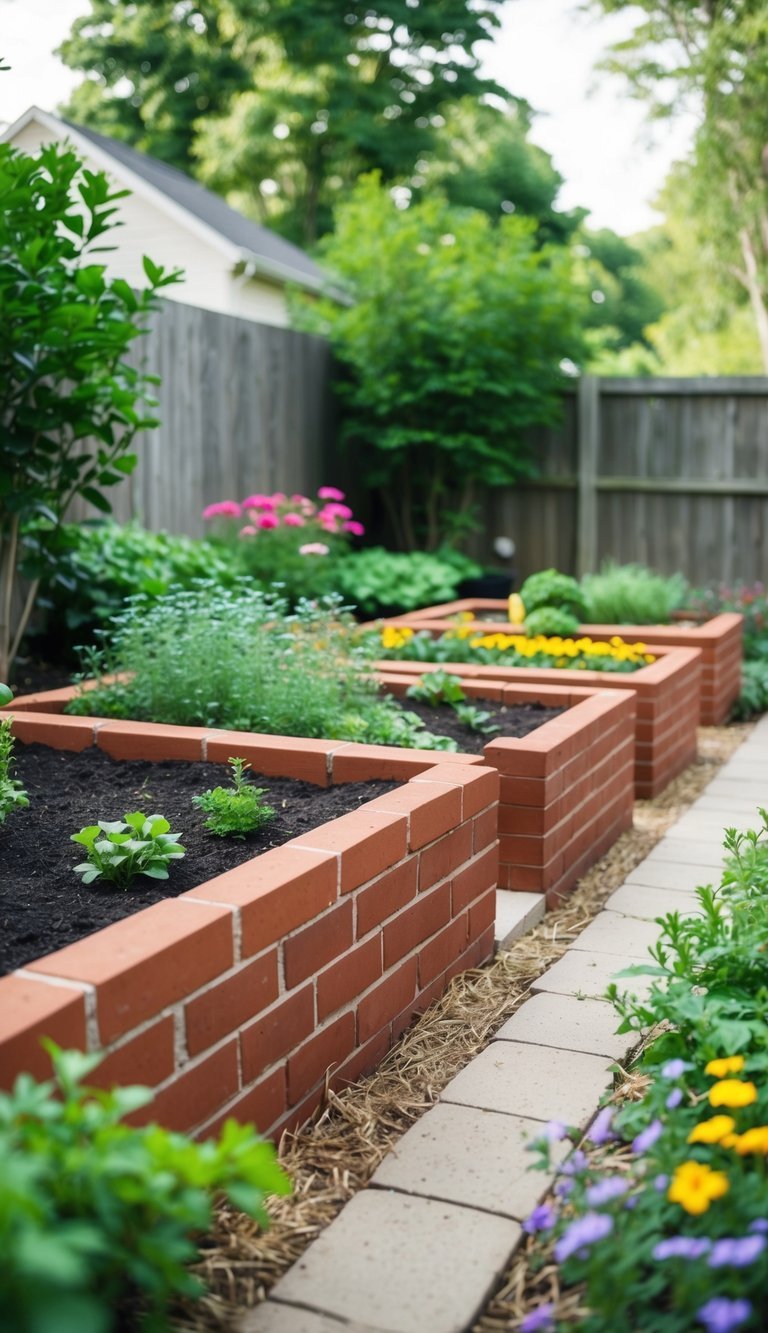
(695, 1185)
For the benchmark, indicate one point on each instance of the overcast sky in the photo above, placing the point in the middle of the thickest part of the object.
(546, 53)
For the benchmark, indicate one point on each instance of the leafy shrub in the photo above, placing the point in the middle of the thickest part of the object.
(118, 851)
(238, 658)
(632, 595)
(12, 794)
(435, 688)
(753, 698)
(379, 581)
(551, 620)
(94, 1213)
(550, 588)
(234, 811)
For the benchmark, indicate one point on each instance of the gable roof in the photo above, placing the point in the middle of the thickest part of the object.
(245, 241)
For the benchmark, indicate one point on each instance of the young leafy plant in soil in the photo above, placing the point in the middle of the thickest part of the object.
(120, 850)
(12, 793)
(237, 810)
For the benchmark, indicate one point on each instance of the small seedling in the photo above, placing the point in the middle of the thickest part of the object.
(237, 810)
(437, 687)
(12, 794)
(136, 845)
(475, 718)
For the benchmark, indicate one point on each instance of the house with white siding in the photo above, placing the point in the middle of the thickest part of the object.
(231, 264)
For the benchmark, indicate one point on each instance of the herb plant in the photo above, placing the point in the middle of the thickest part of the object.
(435, 688)
(237, 810)
(478, 719)
(12, 794)
(95, 1214)
(136, 845)
(632, 595)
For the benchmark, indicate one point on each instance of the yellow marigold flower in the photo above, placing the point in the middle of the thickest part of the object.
(731, 1092)
(729, 1064)
(752, 1140)
(695, 1185)
(729, 1141)
(713, 1130)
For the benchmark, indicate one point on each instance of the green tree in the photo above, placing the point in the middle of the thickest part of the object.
(281, 104)
(69, 403)
(713, 56)
(452, 350)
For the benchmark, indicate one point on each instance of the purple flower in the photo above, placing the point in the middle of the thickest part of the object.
(586, 1231)
(681, 1247)
(674, 1068)
(563, 1188)
(554, 1131)
(737, 1253)
(647, 1137)
(760, 1225)
(611, 1188)
(541, 1219)
(674, 1099)
(540, 1320)
(660, 1183)
(600, 1131)
(720, 1315)
(574, 1163)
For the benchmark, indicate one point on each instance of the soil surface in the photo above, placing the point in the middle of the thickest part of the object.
(513, 720)
(44, 905)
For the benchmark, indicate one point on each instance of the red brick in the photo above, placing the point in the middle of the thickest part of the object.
(480, 875)
(147, 1058)
(416, 924)
(59, 733)
(377, 1009)
(362, 1062)
(224, 1007)
(482, 915)
(274, 756)
(443, 950)
(310, 1064)
(386, 895)
(361, 763)
(147, 961)
(445, 856)
(276, 892)
(150, 740)
(480, 785)
(479, 951)
(431, 809)
(485, 828)
(262, 1106)
(298, 1115)
(195, 1095)
(274, 1034)
(318, 944)
(424, 998)
(348, 978)
(30, 1010)
(367, 843)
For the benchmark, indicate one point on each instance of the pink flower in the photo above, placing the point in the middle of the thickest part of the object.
(329, 524)
(278, 498)
(336, 511)
(248, 531)
(354, 528)
(308, 508)
(300, 500)
(223, 509)
(258, 502)
(314, 548)
(293, 521)
(269, 521)
(330, 493)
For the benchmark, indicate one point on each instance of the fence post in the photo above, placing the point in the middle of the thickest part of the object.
(588, 391)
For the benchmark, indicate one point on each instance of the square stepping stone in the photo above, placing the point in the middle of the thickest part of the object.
(610, 932)
(588, 974)
(269, 1317)
(688, 851)
(402, 1264)
(516, 914)
(648, 902)
(468, 1156)
(539, 1082)
(562, 1021)
(674, 875)
(708, 828)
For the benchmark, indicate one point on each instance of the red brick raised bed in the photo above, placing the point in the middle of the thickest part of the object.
(244, 995)
(567, 789)
(720, 641)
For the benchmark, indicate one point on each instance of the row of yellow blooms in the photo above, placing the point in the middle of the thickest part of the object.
(396, 636)
(695, 1185)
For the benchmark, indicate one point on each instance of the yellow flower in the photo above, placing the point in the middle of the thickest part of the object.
(695, 1185)
(729, 1064)
(731, 1092)
(394, 636)
(713, 1130)
(752, 1140)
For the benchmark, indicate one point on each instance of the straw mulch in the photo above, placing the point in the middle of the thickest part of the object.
(334, 1156)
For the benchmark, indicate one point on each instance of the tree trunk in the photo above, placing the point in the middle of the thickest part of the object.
(751, 280)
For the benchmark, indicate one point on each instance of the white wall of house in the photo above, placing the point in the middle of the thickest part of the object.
(209, 281)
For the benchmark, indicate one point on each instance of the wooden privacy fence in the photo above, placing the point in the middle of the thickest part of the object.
(670, 472)
(243, 407)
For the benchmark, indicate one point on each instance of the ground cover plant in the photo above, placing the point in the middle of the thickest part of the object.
(239, 658)
(670, 1217)
(97, 1218)
(379, 582)
(465, 644)
(238, 809)
(632, 595)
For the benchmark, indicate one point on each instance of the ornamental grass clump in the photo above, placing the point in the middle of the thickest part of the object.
(662, 1210)
(240, 658)
(465, 644)
(632, 595)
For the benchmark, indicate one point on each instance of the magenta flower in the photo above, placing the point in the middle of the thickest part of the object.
(737, 1253)
(721, 1315)
(647, 1137)
(611, 1188)
(336, 511)
(542, 1218)
(300, 500)
(354, 528)
(600, 1131)
(278, 498)
(258, 502)
(269, 521)
(222, 509)
(294, 521)
(540, 1320)
(586, 1231)
(681, 1247)
(330, 493)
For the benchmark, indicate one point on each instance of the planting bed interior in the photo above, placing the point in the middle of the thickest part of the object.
(304, 963)
(719, 639)
(507, 720)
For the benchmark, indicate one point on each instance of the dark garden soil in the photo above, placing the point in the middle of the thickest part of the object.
(516, 720)
(44, 906)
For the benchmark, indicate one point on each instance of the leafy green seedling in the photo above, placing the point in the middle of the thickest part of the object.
(476, 718)
(437, 687)
(12, 794)
(237, 810)
(136, 845)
